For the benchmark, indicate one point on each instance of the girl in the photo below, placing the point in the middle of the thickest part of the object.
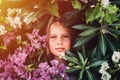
(58, 40)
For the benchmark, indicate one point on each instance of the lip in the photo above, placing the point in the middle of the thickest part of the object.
(60, 49)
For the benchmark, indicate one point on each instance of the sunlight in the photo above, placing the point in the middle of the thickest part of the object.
(0, 1)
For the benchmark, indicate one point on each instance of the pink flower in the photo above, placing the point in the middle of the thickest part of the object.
(36, 40)
(8, 37)
(18, 57)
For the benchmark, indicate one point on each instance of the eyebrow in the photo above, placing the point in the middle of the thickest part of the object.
(62, 33)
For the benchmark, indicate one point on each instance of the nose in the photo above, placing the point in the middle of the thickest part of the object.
(59, 41)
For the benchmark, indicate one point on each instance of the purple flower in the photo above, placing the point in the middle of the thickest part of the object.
(28, 49)
(1, 63)
(15, 67)
(46, 72)
(18, 57)
(43, 38)
(36, 40)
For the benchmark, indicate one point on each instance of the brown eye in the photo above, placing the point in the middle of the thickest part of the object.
(53, 37)
(66, 36)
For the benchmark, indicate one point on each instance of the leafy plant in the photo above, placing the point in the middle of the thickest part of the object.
(81, 64)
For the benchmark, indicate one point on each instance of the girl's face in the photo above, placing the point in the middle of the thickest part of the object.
(59, 39)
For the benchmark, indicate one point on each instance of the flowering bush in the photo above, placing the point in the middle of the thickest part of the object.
(15, 68)
(26, 59)
(97, 41)
(96, 51)
(10, 30)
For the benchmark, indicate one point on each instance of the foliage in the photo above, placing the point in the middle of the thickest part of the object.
(98, 40)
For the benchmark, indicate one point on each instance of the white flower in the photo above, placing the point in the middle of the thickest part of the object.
(14, 22)
(105, 66)
(104, 31)
(105, 3)
(29, 17)
(92, 6)
(61, 55)
(13, 12)
(101, 71)
(13, 17)
(105, 76)
(119, 65)
(116, 56)
(2, 30)
(18, 37)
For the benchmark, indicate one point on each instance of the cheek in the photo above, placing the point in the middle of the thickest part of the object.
(51, 45)
(68, 45)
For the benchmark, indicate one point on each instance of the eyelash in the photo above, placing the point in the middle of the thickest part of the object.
(64, 36)
(52, 36)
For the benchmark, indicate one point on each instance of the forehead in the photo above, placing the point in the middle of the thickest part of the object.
(57, 27)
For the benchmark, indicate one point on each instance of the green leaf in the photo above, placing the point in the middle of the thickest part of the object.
(83, 40)
(76, 4)
(72, 70)
(111, 44)
(72, 60)
(96, 63)
(114, 31)
(115, 24)
(81, 75)
(102, 17)
(85, 62)
(98, 12)
(90, 16)
(94, 52)
(53, 9)
(90, 76)
(89, 32)
(70, 53)
(112, 9)
(110, 18)
(81, 27)
(102, 44)
(81, 57)
(118, 15)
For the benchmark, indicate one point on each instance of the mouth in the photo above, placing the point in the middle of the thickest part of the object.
(60, 49)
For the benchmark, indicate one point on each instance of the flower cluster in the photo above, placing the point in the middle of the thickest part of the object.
(11, 27)
(103, 71)
(116, 57)
(107, 70)
(105, 3)
(54, 72)
(16, 67)
(23, 62)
